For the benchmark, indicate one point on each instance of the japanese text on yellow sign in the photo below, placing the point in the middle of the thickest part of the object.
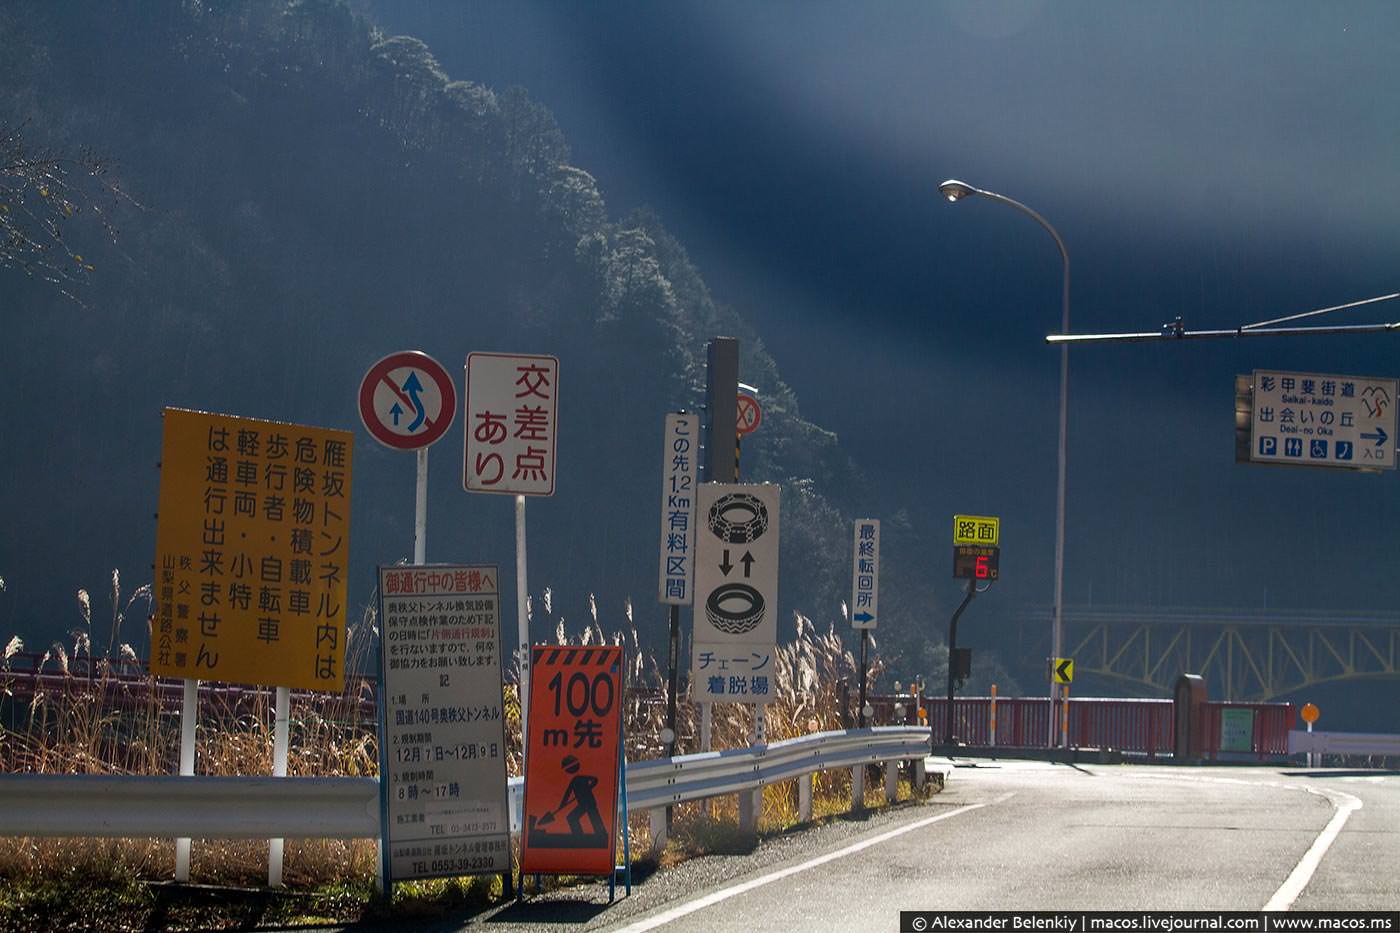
(252, 542)
(977, 529)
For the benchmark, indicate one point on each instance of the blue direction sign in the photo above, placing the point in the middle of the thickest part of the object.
(1316, 419)
(865, 574)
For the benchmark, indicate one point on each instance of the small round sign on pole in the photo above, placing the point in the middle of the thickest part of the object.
(750, 414)
(1309, 713)
(407, 400)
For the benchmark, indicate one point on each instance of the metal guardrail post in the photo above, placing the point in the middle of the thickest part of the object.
(804, 797)
(891, 781)
(858, 789)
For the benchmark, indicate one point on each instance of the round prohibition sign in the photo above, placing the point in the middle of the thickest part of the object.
(750, 415)
(407, 400)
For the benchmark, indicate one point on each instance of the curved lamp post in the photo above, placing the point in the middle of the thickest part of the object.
(954, 191)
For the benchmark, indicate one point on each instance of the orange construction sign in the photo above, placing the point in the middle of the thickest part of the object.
(574, 756)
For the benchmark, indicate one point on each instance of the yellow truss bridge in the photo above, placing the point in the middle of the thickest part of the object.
(1244, 656)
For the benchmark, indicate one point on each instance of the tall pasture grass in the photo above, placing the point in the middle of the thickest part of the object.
(85, 712)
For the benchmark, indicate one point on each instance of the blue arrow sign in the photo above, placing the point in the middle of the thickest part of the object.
(863, 617)
(396, 411)
(412, 386)
(1378, 437)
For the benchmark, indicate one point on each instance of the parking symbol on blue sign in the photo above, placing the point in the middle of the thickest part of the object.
(1343, 450)
(1317, 449)
(1268, 445)
(1292, 446)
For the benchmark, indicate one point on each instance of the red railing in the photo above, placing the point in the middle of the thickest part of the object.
(1136, 726)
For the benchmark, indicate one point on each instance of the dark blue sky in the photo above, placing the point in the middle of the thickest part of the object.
(1224, 162)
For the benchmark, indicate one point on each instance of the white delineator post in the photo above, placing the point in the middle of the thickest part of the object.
(522, 610)
(281, 735)
(189, 712)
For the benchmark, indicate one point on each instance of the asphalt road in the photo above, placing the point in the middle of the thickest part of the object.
(1033, 835)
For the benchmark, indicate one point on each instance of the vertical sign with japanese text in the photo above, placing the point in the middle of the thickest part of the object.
(571, 777)
(680, 455)
(736, 593)
(444, 738)
(865, 574)
(511, 424)
(252, 544)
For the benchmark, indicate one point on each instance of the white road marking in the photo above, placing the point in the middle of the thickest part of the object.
(675, 913)
(1302, 873)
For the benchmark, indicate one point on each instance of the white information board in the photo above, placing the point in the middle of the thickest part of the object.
(865, 574)
(1314, 419)
(444, 754)
(680, 451)
(511, 424)
(736, 593)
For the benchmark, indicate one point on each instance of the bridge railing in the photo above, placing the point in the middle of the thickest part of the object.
(1144, 727)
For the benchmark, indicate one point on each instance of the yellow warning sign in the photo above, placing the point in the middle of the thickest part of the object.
(1064, 670)
(252, 547)
(977, 529)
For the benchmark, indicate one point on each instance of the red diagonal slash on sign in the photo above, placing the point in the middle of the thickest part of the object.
(426, 370)
(427, 422)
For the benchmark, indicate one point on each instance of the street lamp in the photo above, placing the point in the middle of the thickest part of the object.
(954, 191)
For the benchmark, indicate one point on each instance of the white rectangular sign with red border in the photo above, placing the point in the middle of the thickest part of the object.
(511, 424)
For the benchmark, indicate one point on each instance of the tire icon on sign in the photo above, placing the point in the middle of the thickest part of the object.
(738, 518)
(735, 608)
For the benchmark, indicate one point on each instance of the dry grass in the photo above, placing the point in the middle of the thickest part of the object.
(87, 720)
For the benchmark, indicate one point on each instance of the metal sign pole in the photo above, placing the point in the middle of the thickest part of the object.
(864, 644)
(281, 734)
(420, 510)
(189, 712)
(671, 679)
(522, 617)
(952, 645)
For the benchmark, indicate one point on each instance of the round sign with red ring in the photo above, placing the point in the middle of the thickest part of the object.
(407, 400)
(750, 415)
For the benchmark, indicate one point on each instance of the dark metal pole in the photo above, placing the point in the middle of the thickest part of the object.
(864, 641)
(953, 644)
(671, 679)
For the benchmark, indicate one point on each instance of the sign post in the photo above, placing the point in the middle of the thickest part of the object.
(252, 543)
(574, 769)
(865, 591)
(976, 552)
(442, 751)
(407, 401)
(680, 457)
(511, 431)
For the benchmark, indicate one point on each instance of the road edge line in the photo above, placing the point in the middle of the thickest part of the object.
(724, 894)
(1293, 885)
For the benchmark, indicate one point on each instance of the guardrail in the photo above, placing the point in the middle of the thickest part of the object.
(204, 807)
(1343, 743)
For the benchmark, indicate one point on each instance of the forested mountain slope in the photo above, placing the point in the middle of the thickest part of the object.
(310, 195)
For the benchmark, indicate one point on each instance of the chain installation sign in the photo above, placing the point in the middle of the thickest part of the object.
(736, 593)
(444, 756)
(511, 424)
(252, 548)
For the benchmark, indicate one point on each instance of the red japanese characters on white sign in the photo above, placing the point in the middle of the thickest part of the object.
(511, 407)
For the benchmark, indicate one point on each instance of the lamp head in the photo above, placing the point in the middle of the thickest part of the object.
(955, 190)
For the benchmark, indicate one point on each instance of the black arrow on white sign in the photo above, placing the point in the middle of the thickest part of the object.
(747, 561)
(725, 565)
